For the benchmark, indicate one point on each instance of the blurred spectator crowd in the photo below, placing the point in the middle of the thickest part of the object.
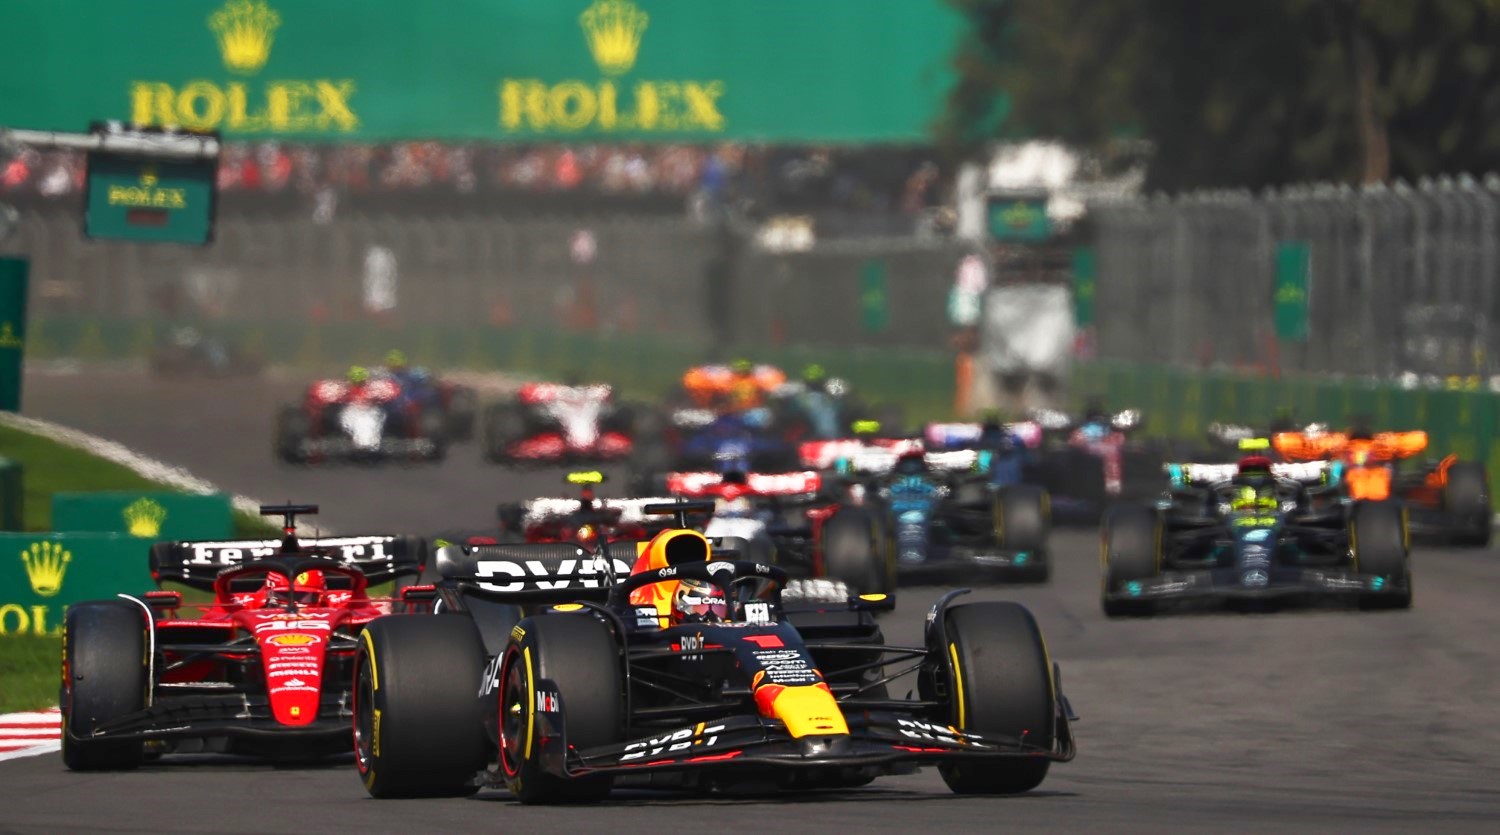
(779, 179)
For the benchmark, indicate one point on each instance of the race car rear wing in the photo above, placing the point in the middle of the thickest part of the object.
(877, 461)
(632, 511)
(196, 563)
(696, 484)
(1308, 472)
(948, 436)
(535, 571)
(823, 455)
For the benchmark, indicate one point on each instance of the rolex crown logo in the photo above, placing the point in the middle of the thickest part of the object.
(246, 29)
(143, 517)
(46, 562)
(613, 29)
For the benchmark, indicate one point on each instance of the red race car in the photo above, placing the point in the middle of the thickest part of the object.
(580, 520)
(263, 669)
(548, 423)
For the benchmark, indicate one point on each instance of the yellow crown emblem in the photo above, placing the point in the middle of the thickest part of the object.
(613, 29)
(143, 517)
(246, 29)
(46, 562)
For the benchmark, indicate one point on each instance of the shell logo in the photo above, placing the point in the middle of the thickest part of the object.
(293, 639)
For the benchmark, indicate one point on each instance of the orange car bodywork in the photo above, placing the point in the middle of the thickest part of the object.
(1367, 462)
(711, 385)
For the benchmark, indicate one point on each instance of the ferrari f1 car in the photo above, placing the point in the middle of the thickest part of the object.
(264, 669)
(362, 418)
(547, 423)
(561, 673)
(1447, 499)
(1252, 531)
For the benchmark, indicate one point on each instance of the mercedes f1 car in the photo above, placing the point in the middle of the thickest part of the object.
(1448, 499)
(561, 672)
(548, 423)
(264, 669)
(1252, 531)
(365, 418)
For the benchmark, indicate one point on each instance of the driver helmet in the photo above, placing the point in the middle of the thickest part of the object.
(395, 360)
(696, 601)
(912, 463)
(308, 589)
(1248, 498)
(743, 367)
(815, 377)
(358, 375)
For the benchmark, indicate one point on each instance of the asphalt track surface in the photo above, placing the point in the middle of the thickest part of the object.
(1300, 721)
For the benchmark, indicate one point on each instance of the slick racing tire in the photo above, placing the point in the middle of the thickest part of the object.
(1000, 684)
(1466, 500)
(579, 654)
(1378, 540)
(292, 428)
(504, 424)
(1022, 522)
(104, 678)
(417, 725)
(1132, 552)
(434, 427)
(855, 552)
(463, 406)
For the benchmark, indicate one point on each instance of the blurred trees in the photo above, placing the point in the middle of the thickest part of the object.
(1241, 93)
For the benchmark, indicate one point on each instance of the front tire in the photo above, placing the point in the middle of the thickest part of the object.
(104, 671)
(1377, 536)
(580, 655)
(504, 424)
(1001, 684)
(292, 428)
(1132, 553)
(417, 725)
(1466, 498)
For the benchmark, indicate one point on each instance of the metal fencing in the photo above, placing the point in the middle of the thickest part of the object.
(668, 276)
(1402, 279)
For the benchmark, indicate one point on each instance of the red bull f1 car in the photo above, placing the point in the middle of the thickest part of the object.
(263, 669)
(562, 673)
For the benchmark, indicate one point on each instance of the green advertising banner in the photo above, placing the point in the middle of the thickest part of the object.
(874, 301)
(13, 282)
(150, 516)
(1292, 266)
(135, 198)
(1085, 283)
(1019, 218)
(768, 70)
(41, 574)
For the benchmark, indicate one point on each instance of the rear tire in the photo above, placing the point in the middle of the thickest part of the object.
(417, 725)
(1377, 534)
(1466, 498)
(292, 428)
(1001, 684)
(104, 670)
(463, 405)
(1022, 522)
(853, 552)
(1132, 552)
(579, 654)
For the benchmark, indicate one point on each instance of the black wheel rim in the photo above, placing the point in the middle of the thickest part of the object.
(364, 715)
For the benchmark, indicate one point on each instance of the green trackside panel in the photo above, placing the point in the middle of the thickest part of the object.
(13, 293)
(152, 516)
(513, 71)
(1085, 285)
(1290, 302)
(874, 300)
(41, 574)
(1018, 218)
(137, 198)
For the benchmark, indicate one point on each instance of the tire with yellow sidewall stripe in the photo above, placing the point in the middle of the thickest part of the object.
(579, 654)
(417, 724)
(1000, 686)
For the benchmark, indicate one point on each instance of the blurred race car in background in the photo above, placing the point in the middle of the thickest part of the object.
(264, 669)
(190, 351)
(551, 423)
(1447, 499)
(1086, 462)
(678, 664)
(1254, 531)
(365, 417)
